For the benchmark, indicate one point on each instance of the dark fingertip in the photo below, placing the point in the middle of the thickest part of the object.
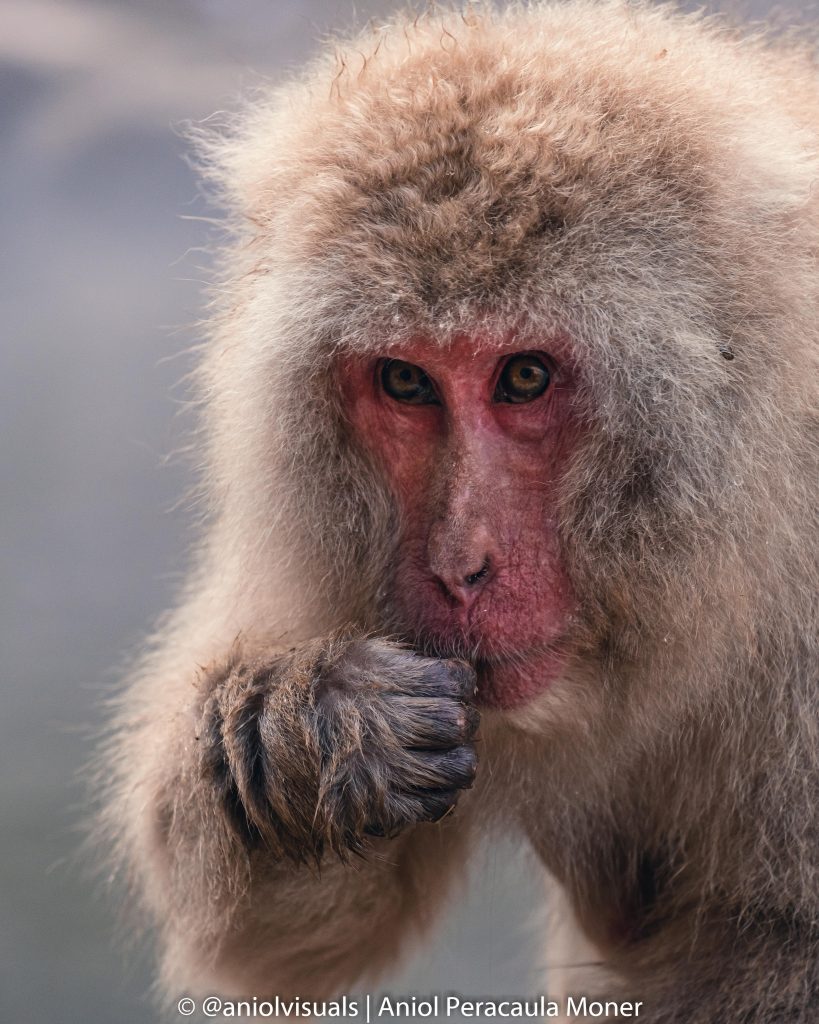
(471, 721)
(439, 805)
(454, 768)
(473, 767)
(464, 676)
(444, 813)
(464, 765)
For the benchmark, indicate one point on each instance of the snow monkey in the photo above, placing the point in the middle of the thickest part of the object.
(509, 474)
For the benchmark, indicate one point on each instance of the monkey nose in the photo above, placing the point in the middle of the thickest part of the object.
(464, 588)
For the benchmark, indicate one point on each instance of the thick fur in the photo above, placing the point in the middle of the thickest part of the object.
(642, 184)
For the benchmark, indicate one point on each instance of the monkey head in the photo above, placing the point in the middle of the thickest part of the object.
(482, 314)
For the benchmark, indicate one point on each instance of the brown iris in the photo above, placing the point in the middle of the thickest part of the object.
(406, 382)
(523, 378)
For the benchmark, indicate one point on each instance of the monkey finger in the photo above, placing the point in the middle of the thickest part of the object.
(441, 769)
(411, 807)
(429, 804)
(437, 803)
(400, 809)
(445, 678)
(430, 723)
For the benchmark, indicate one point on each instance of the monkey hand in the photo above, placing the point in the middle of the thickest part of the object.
(337, 741)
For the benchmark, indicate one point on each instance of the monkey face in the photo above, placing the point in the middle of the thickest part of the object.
(471, 438)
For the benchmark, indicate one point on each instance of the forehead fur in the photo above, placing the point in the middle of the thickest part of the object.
(471, 166)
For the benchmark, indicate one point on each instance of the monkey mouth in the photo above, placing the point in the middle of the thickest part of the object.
(516, 656)
(509, 676)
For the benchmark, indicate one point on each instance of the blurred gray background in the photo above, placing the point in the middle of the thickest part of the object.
(101, 271)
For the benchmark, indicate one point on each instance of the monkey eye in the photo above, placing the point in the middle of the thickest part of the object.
(406, 382)
(523, 379)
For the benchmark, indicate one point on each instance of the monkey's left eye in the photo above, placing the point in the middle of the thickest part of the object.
(523, 379)
(406, 382)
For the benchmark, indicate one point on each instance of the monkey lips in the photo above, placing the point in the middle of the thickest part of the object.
(515, 634)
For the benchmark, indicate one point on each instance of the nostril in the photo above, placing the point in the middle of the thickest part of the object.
(463, 590)
(476, 577)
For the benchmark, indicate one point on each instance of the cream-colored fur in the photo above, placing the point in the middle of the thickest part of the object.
(643, 184)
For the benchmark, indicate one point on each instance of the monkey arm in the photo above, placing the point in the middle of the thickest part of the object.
(314, 934)
(688, 961)
(734, 970)
(257, 832)
(761, 972)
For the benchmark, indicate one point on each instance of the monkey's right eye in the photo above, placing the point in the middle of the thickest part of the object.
(406, 382)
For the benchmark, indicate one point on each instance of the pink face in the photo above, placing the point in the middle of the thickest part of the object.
(471, 439)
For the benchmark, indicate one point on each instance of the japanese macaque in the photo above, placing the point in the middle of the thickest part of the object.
(509, 408)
